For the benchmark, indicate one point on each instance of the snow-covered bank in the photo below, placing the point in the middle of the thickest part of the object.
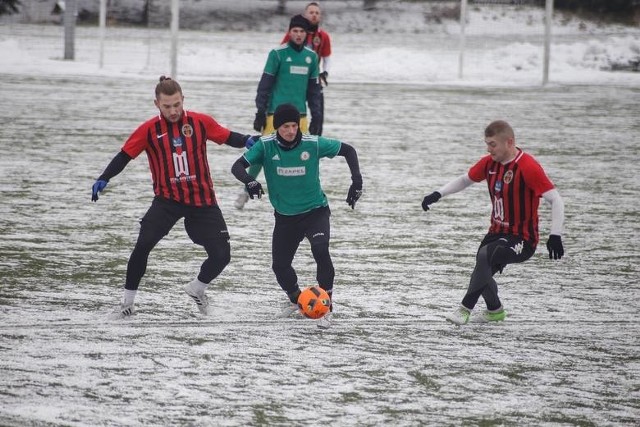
(421, 59)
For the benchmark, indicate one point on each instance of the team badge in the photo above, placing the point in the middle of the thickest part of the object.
(307, 60)
(187, 130)
(176, 142)
(316, 41)
(304, 155)
(508, 177)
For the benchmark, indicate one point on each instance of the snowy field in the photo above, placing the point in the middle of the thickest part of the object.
(568, 354)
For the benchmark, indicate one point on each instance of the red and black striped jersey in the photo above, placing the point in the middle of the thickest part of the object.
(177, 154)
(320, 42)
(515, 189)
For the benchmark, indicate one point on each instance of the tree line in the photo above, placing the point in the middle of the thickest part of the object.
(627, 11)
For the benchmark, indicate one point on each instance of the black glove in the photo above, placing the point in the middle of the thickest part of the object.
(314, 127)
(430, 199)
(355, 191)
(254, 188)
(323, 78)
(554, 246)
(260, 122)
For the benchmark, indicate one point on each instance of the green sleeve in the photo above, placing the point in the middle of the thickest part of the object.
(255, 155)
(328, 147)
(273, 63)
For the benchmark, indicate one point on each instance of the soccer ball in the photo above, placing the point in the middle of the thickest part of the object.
(314, 302)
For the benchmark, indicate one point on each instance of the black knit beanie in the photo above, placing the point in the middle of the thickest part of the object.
(300, 21)
(285, 113)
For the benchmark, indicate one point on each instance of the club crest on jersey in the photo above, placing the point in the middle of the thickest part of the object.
(187, 130)
(508, 177)
(498, 186)
(307, 60)
(305, 155)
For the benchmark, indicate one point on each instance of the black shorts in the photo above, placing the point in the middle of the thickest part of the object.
(291, 229)
(506, 249)
(202, 224)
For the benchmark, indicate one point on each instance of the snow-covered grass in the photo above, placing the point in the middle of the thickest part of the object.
(567, 354)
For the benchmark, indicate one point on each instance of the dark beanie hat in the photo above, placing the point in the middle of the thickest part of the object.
(285, 113)
(300, 21)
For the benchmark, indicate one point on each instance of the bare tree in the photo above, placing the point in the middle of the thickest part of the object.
(7, 7)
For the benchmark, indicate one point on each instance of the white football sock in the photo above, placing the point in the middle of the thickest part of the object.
(128, 297)
(198, 285)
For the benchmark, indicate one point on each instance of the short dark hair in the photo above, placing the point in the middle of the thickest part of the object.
(167, 86)
(498, 127)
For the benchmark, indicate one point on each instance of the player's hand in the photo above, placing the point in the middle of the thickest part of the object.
(98, 187)
(430, 199)
(254, 188)
(355, 191)
(314, 126)
(251, 141)
(323, 78)
(260, 122)
(554, 246)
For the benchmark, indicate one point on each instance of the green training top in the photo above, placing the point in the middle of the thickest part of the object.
(293, 176)
(292, 71)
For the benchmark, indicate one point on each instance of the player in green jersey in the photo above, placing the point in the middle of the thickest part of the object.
(291, 75)
(291, 162)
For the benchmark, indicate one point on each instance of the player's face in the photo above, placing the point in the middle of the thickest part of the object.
(297, 35)
(499, 147)
(170, 106)
(313, 14)
(288, 131)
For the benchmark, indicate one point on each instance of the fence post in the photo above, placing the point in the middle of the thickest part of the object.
(103, 25)
(69, 29)
(463, 23)
(175, 13)
(547, 40)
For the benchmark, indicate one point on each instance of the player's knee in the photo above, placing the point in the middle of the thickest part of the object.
(145, 243)
(219, 252)
(279, 267)
(320, 251)
(497, 258)
(482, 256)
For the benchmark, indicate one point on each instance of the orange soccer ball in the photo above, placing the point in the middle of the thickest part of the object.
(314, 302)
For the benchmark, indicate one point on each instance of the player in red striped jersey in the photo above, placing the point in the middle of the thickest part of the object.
(175, 144)
(516, 181)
